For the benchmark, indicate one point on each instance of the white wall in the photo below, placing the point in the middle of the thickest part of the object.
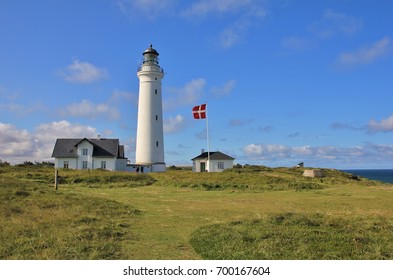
(85, 145)
(72, 162)
(213, 165)
(110, 163)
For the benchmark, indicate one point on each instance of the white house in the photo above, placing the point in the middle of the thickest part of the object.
(218, 162)
(78, 153)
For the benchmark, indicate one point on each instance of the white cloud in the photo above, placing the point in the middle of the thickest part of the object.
(186, 95)
(21, 110)
(366, 55)
(385, 125)
(63, 129)
(333, 23)
(224, 89)
(9, 95)
(119, 96)
(18, 145)
(45, 136)
(324, 156)
(150, 9)
(90, 110)
(244, 14)
(174, 124)
(235, 33)
(206, 7)
(82, 72)
(253, 150)
(229, 37)
(11, 101)
(14, 142)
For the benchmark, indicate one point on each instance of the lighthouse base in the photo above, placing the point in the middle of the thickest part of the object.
(158, 167)
(146, 167)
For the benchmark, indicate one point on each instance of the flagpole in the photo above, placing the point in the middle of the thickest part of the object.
(208, 140)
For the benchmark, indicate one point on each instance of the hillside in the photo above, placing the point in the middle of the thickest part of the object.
(247, 213)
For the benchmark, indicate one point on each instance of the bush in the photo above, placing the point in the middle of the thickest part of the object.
(173, 167)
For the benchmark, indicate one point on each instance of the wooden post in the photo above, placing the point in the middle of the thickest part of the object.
(56, 179)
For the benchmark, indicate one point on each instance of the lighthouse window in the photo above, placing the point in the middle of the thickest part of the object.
(156, 117)
(155, 91)
(156, 143)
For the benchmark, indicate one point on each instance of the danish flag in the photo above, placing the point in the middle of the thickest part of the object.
(199, 111)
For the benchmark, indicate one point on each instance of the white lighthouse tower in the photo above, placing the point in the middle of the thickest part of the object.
(150, 135)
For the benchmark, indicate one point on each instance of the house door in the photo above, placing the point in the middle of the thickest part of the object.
(203, 166)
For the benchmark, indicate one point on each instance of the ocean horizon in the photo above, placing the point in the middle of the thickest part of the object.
(383, 175)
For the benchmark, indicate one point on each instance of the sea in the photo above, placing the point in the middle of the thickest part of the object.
(383, 175)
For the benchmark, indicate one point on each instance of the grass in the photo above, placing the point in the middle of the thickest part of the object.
(297, 236)
(252, 213)
(38, 223)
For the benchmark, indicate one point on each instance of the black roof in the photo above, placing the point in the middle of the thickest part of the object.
(213, 155)
(150, 50)
(102, 147)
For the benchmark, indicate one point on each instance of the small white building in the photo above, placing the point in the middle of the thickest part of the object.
(218, 162)
(99, 153)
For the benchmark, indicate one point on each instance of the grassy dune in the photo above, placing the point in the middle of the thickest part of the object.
(249, 213)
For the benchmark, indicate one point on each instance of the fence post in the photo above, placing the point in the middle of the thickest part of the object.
(56, 179)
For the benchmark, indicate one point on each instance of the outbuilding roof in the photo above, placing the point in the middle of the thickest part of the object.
(214, 156)
(102, 147)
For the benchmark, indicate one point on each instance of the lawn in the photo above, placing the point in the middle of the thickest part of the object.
(248, 213)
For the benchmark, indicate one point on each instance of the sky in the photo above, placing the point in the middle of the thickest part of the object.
(286, 81)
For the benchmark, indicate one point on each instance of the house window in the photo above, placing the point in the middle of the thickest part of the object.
(84, 164)
(85, 152)
(103, 164)
(66, 164)
(220, 165)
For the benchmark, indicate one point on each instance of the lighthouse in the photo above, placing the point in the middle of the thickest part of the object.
(150, 135)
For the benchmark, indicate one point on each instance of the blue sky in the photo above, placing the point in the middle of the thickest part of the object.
(285, 81)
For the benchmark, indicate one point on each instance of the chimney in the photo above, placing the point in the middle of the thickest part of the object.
(98, 137)
(202, 151)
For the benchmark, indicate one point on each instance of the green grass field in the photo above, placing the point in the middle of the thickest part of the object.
(248, 213)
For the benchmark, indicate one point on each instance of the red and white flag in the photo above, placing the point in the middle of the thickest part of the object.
(199, 112)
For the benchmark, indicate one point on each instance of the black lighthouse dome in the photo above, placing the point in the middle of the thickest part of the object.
(150, 50)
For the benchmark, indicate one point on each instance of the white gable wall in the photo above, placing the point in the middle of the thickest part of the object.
(88, 158)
